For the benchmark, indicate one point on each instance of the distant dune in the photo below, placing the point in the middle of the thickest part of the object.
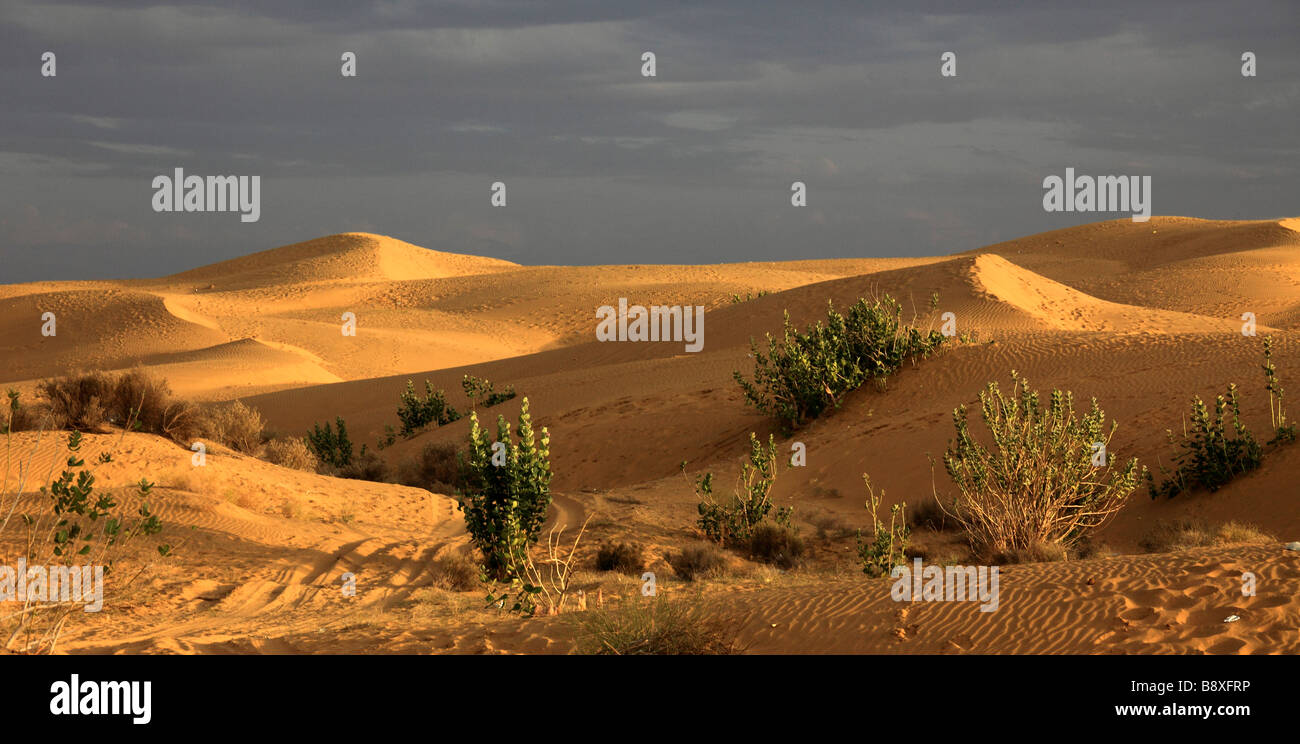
(1140, 316)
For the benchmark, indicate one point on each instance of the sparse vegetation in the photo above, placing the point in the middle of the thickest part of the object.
(290, 452)
(366, 466)
(235, 425)
(436, 469)
(1283, 430)
(887, 546)
(455, 573)
(75, 525)
(654, 625)
(88, 401)
(804, 374)
(737, 299)
(417, 412)
(778, 545)
(1181, 534)
(1218, 446)
(1042, 481)
(622, 557)
(732, 522)
(700, 561)
(477, 387)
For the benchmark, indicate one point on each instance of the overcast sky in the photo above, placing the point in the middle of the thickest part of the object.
(603, 165)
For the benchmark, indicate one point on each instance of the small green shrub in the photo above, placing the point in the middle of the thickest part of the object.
(1217, 448)
(507, 490)
(416, 412)
(804, 374)
(1042, 482)
(331, 447)
(732, 522)
(476, 388)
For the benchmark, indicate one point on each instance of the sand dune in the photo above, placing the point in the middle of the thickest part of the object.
(1140, 316)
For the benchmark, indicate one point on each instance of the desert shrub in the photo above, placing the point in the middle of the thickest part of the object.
(505, 502)
(75, 524)
(887, 546)
(416, 412)
(654, 625)
(623, 557)
(366, 466)
(1283, 429)
(697, 562)
(776, 544)
(804, 374)
(436, 469)
(732, 522)
(1043, 480)
(455, 573)
(477, 387)
(290, 452)
(87, 401)
(1180, 534)
(235, 425)
(78, 400)
(1217, 448)
(332, 447)
(736, 299)
(20, 417)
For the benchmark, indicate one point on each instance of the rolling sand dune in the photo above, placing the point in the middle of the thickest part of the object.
(1141, 316)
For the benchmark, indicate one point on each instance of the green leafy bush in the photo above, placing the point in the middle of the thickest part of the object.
(331, 447)
(1217, 448)
(804, 374)
(506, 492)
(416, 412)
(1042, 481)
(476, 387)
(732, 522)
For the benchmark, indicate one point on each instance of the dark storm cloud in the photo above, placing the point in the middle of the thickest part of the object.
(603, 165)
